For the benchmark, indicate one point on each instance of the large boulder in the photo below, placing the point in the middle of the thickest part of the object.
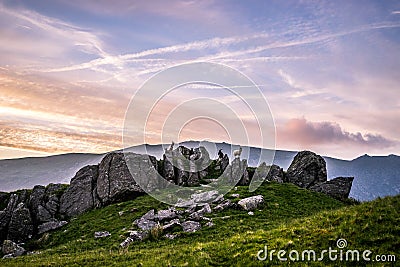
(307, 169)
(80, 195)
(115, 182)
(20, 227)
(338, 188)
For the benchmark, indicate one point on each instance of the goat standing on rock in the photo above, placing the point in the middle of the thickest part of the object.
(236, 153)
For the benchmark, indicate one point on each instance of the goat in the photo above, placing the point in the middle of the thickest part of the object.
(236, 153)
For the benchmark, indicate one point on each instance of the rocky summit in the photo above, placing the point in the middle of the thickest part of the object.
(29, 214)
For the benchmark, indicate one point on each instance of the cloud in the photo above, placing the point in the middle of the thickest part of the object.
(395, 12)
(311, 133)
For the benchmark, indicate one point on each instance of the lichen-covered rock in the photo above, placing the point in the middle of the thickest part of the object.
(338, 188)
(307, 169)
(251, 203)
(223, 205)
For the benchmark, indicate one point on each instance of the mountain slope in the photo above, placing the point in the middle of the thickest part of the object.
(292, 218)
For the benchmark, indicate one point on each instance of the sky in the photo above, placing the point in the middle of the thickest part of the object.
(328, 69)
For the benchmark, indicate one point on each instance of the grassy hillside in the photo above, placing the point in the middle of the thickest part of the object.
(292, 218)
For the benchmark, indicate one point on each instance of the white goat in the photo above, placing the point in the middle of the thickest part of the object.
(236, 153)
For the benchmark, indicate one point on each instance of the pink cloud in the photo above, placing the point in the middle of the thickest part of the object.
(308, 133)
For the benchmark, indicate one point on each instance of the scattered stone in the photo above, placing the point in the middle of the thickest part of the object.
(149, 215)
(120, 213)
(48, 226)
(191, 226)
(12, 248)
(235, 195)
(170, 236)
(144, 224)
(138, 235)
(307, 169)
(198, 215)
(224, 205)
(126, 242)
(250, 213)
(167, 214)
(171, 224)
(251, 203)
(338, 188)
(101, 234)
(209, 224)
(8, 256)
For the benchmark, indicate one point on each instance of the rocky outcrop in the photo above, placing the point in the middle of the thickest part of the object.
(338, 188)
(115, 182)
(80, 195)
(184, 166)
(307, 169)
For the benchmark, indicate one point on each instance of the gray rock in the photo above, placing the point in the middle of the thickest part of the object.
(167, 214)
(5, 215)
(198, 215)
(145, 225)
(338, 188)
(235, 195)
(52, 225)
(224, 162)
(205, 197)
(275, 174)
(223, 205)
(79, 197)
(13, 249)
(138, 235)
(191, 226)
(126, 242)
(20, 227)
(149, 215)
(171, 236)
(101, 234)
(209, 224)
(8, 256)
(307, 169)
(174, 222)
(117, 182)
(251, 203)
(250, 213)
(236, 173)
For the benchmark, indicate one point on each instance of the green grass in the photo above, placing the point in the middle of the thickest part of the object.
(292, 218)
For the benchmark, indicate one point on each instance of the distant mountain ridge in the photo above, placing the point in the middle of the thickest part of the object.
(375, 176)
